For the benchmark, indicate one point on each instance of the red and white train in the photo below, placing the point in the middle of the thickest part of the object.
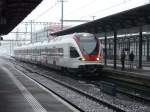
(74, 52)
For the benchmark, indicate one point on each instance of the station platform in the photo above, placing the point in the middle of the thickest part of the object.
(136, 75)
(19, 94)
(143, 72)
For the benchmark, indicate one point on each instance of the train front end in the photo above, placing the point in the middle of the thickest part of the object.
(91, 53)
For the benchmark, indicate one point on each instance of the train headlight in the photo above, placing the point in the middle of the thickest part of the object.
(97, 59)
(82, 59)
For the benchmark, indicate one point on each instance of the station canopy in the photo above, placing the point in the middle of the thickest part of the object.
(136, 17)
(12, 12)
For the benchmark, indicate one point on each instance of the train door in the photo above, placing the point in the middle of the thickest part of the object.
(73, 57)
(46, 55)
(65, 57)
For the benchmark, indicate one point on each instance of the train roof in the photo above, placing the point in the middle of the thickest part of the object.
(56, 40)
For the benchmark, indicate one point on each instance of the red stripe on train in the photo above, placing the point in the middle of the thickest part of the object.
(90, 57)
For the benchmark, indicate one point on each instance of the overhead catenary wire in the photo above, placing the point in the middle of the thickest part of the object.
(46, 11)
(84, 6)
(115, 5)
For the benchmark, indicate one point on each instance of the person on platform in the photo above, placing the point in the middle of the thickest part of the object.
(131, 59)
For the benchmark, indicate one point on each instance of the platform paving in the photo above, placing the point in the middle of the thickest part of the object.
(19, 94)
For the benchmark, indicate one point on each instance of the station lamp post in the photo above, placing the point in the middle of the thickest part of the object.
(62, 12)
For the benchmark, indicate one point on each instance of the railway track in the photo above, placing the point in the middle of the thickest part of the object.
(113, 107)
(83, 93)
(130, 90)
(58, 95)
(135, 92)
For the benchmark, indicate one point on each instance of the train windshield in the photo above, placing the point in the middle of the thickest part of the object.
(88, 43)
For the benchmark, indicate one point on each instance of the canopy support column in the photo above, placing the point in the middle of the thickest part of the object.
(140, 47)
(105, 49)
(115, 49)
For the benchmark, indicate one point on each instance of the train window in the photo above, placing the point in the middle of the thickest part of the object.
(87, 43)
(73, 52)
(60, 52)
(49, 51)
(46, 50)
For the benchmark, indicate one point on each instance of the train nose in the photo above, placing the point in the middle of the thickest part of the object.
(90, 68)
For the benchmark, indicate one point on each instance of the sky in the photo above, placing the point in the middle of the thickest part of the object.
(50, 11)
